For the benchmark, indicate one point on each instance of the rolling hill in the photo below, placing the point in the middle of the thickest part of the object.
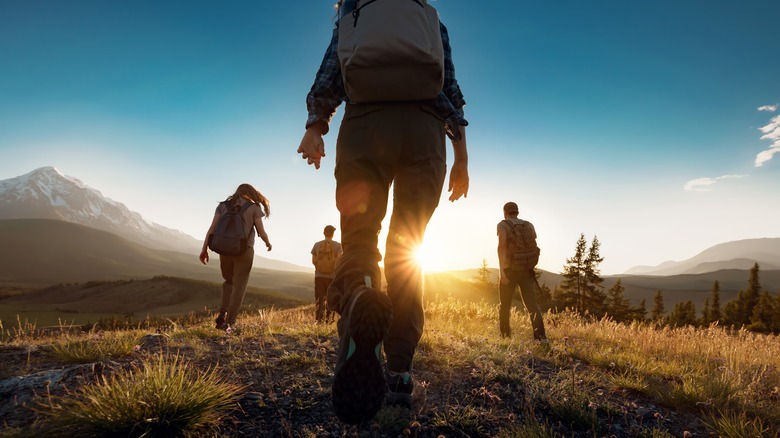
(161, 296)
(42, 252)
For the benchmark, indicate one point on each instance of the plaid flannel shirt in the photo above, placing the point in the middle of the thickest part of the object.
(327, 92)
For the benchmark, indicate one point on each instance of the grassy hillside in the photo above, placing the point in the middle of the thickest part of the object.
(161, 296)
(273, 379)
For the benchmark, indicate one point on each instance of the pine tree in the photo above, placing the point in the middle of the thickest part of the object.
(715, 307)
(763, 313)
(683, 314)
(751, 296)
(657, 312)
(732, 311)
(639, 313)
(484, 279)
(571, 291)
(706, 313)
(593, 289)
(617, 306)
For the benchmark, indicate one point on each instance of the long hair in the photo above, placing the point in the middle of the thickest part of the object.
(251, 194)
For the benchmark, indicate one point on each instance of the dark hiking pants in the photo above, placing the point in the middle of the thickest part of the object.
(235, 272)
(322, 314)
(378, 145)
(525, 280)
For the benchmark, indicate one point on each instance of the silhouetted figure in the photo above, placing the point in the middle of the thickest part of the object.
(518, 254)
(397, 139)
(324, 255)
(248, 206)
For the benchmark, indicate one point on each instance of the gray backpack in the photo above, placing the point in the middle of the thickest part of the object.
(390, 50)
(229, 238)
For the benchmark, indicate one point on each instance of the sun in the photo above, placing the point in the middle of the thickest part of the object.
(425, 257)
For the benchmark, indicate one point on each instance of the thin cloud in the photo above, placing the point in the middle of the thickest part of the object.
(769, 108)
(772, 133)
(705, 184)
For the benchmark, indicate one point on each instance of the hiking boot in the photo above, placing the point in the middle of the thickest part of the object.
(399, 388)
(220, 321)
(359, 384)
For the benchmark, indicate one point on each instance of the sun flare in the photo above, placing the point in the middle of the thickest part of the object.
(425, 257)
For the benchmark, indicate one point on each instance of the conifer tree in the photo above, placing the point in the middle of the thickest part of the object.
(706, 313)
(657, 312)
(593, 289)
(763, 314)
(571, 290)
(618, 307)
(714, 314)
(683, 314)
(484, 277)
(733, 311)
(639, 313)
(751, 296)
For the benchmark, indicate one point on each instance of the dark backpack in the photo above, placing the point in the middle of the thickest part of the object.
(229, 238)
(390, 50)
(326, 257)
(522, 251)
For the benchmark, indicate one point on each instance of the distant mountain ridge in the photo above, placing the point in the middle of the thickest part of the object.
(45, 193)
(739, 254)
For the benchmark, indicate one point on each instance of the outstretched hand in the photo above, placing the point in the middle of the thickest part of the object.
(312, 147)
(459, 181)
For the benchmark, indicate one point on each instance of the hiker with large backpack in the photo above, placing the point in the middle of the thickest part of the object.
(231, 236)
(390, 62)
(324, 255)
(518, 255)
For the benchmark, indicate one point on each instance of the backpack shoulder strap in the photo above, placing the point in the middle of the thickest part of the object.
(246, 205)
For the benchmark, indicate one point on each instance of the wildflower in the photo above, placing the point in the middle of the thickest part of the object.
(592, 405)
(687, 434)
(658, 416)
(137, 348)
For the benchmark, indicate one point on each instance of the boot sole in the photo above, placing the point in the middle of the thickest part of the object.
(359, 384)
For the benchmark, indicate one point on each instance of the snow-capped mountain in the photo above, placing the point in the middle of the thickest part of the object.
(45, 193)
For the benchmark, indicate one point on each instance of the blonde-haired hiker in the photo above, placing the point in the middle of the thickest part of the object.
(230, 235)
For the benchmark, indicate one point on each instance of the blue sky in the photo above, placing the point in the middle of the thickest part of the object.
(640, 122)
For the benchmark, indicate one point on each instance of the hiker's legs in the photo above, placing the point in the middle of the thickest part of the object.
(226, 264)
(527, 284)
(505, 294)
(364, 171)
(242, 266)
(416, 192)
(320, 294)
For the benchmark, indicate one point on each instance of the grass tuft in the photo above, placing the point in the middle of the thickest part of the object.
(164, 396)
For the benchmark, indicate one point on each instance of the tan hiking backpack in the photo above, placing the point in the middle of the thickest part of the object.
(522, 250)
(390, 50)
(326, 257)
